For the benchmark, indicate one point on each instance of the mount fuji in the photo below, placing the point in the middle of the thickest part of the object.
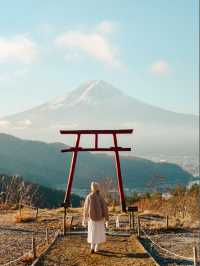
(98, 105)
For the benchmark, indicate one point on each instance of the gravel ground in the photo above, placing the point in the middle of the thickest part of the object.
(179, 241)
(16, 238)
(15, 244)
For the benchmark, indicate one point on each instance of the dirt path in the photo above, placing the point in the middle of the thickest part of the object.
(74, 250)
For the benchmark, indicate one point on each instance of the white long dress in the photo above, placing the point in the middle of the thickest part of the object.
(96, 232)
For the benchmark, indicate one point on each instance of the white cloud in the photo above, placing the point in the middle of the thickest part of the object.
(106, 27)
(64, 126)
(46, 28)
(160, 68)
(18, 49)
(127, 125)
(20, 73)
(24, 123)
(94, 44)
(4, 77)
(4, 123)
(20, 124)
(12, 76)
(72, 57)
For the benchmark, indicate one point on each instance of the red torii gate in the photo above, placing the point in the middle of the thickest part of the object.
(77, 149)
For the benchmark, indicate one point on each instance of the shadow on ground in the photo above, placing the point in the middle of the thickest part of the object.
(126, 255)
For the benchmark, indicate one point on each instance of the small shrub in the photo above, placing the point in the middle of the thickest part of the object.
(27, 258)
(24, 218)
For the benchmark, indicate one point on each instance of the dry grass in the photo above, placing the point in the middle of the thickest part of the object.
(24, 219)
(26, 216)
(183, 211)
(8, 206)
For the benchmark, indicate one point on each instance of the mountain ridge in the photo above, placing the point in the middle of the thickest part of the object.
(103, 82)
(97, 104)
(42, 163)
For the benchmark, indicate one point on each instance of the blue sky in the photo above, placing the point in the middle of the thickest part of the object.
(148, 49)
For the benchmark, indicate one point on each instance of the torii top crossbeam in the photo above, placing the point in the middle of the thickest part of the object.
(97, 131)
(96, 148)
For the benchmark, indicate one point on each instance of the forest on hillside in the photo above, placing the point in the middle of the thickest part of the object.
(14, 190)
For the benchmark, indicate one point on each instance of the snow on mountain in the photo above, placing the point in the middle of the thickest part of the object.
(88, 93)
(91, 92)
(97, 104)
(55, 104)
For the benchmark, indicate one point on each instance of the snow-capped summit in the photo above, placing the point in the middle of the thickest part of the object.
(94, 92)
(97, 88)
(90, 92)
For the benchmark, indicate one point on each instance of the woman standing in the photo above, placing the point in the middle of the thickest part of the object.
(96, 210)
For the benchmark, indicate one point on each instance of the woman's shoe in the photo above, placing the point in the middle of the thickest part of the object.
(96, 248)
(92, 251)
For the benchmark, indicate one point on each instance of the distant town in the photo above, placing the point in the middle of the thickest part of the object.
(187, 162)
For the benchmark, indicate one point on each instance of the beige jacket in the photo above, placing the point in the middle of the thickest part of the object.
(95, 207)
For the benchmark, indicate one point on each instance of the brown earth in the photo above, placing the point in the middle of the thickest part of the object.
(74, 250)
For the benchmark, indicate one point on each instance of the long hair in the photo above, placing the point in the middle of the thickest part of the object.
(95, 187)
